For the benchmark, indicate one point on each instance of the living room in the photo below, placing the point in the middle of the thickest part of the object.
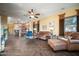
(54, 29)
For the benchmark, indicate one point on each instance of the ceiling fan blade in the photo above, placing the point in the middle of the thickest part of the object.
(31, 10)
(37, 14)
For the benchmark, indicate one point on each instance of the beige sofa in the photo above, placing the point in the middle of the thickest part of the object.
(44, 35)
(71, 44)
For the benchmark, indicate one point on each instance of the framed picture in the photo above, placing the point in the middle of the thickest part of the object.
(51, 24)
(44, 27)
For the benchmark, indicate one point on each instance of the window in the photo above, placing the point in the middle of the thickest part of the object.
(70, 24)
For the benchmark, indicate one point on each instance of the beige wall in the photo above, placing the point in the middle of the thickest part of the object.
(11, 28)
(55, 18)
(4, 20)
(46, 22)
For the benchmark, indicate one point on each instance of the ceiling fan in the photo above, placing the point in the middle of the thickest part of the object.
(32, 14)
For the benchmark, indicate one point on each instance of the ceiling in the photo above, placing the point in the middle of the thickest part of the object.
(21, 9)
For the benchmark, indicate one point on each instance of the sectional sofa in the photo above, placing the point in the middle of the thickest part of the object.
(70, 42)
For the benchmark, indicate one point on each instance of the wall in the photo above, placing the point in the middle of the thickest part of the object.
(11, 28)
(11, 24)
(4, 21)
(49, 19)
(55, 18)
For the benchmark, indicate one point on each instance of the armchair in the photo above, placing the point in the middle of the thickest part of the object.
(73, 41)
(73, 44)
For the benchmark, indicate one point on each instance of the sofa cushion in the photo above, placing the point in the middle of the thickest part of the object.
(74, 35)
(62, 38)
(75, 41)
(44, 35)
